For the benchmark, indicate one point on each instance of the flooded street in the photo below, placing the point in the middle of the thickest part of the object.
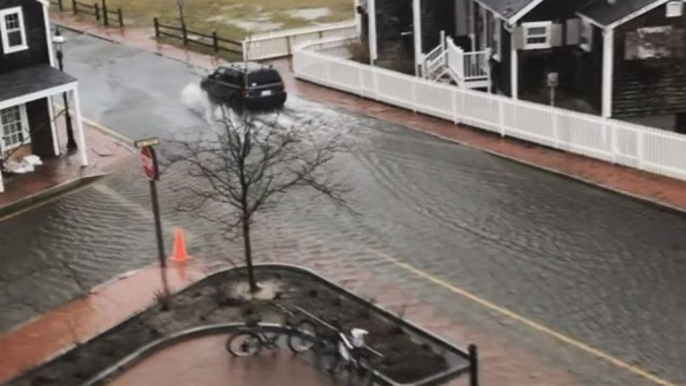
(601, 268)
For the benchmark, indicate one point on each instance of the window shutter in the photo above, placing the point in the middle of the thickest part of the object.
(573, 32)
(518, 37)
(556, 35)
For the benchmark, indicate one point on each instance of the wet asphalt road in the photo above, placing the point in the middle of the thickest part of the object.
(603, 269)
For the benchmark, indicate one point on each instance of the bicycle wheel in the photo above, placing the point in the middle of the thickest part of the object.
(303, 338)
(244, 344)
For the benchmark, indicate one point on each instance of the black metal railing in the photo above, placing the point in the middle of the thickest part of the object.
(187, 36)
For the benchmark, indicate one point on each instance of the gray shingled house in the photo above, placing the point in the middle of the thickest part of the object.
(28, 81)
(617, 58)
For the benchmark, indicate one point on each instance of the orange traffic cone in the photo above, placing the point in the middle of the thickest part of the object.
(179, 254)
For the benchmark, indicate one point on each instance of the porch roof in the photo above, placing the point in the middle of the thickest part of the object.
(32, 83)
(508, 9)
(608, 15)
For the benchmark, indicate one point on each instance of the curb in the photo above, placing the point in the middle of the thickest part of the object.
(642, 199)
(128, 142)
(47, 195)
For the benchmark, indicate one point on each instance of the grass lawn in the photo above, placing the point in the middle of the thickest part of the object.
(236, 19)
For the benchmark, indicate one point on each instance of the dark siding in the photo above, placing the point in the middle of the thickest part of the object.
(554, 10)
(535, 65)
(589, 78)
(437, 16)
(396, 52)
(649, 87)
(35, 36)
(502, 71)
(39, 124)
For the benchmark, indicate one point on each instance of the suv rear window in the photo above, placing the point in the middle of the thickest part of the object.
(262, 78)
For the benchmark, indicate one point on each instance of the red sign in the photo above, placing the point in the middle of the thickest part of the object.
(149, 164)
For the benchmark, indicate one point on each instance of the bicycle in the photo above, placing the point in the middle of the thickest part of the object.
(254, 338)
(350, 353)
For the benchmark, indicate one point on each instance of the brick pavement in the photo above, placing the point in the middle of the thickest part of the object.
(653, 188)
(205, 362)
(61, 172)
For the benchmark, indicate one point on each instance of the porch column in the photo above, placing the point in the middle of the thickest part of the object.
(2, 186)
(417, 33)
(81, 137)
(53, 128)
(373, 53)
(608, 71)
(514, 65)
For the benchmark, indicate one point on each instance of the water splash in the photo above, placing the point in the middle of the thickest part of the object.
(197, 101)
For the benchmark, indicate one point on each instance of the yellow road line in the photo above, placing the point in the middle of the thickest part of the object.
(109, 132)
(534, 325)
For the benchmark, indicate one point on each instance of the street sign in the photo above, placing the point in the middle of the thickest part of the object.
(141, 143)
(149, 163)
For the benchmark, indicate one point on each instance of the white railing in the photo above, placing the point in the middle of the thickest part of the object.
(271, 45)
(467, 65)
(639, 147)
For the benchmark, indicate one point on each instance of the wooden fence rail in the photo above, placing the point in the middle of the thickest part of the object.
(211, 40)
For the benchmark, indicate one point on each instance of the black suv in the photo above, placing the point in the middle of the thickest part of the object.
(246, 84)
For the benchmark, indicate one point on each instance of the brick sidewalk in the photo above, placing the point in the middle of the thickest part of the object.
(205, 362)
(60, 173)
(653, 188)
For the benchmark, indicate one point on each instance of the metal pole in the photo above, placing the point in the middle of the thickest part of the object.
(156, 213)
(71, 143)
(473, 365)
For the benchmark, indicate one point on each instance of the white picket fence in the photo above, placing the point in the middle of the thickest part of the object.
(623, 143)
(271, 45)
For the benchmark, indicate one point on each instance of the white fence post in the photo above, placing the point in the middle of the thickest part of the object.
(414, 96)
(501, 117)
(375, 83)
(454, 102)
(640, 147)
(584, 134)
(556, 130)
(614, 140)
(360, 81)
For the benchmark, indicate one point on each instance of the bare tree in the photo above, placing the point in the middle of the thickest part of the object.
(247, 164)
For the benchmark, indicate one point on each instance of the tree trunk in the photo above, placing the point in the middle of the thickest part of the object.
(248, 255)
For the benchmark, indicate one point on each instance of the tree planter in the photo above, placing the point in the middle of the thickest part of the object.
(214, 306)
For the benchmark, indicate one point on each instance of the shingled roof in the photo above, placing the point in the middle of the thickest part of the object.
(606, 14)
(601, 11)
(508, 9)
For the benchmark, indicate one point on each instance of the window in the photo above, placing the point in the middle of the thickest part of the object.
(675, 9)
(12, 29)
(586, 35)
(537, 35)
(652, 43)
(14, 127)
